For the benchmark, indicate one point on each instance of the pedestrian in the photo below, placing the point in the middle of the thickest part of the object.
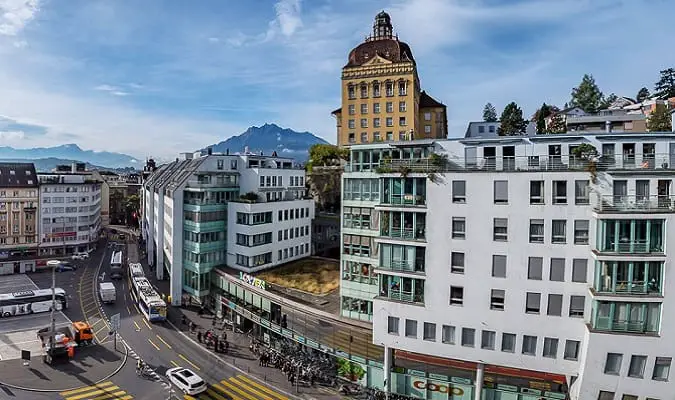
(199, 336)
(183, 320)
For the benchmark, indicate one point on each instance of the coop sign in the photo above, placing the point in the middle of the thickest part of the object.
(432, 387)
(252, 280)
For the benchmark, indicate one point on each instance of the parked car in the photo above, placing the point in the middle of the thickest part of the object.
(65, 266)
(187, 381)
(80, 256)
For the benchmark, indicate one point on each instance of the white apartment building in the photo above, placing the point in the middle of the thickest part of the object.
(243, 211)
(70, 212)
(541, 269)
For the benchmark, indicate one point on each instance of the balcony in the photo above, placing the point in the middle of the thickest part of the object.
(404, 192)
(637, 318)
(407, 290)
(642, 278)
(630, 236)
(634, 204)
(403, 225)
(416, 266)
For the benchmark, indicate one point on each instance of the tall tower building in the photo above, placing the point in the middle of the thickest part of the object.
(382, 100)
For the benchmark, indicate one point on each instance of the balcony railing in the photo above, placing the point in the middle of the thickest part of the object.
(635, 204)
(637, 246)
(405, 200)
(404, 266)
(659, 161)
(406, 233)
(627, 287)
(622, 325)
(400, 295)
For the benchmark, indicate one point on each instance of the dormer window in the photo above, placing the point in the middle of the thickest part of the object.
(390, 89)
(364, 91)
(376, 89)
(351, 91)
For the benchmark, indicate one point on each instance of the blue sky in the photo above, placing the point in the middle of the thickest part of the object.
(152, 78)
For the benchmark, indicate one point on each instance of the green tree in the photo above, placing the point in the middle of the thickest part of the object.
(489, 113)
(512, 122)
(642, 95)
(540, 117)
(587, 95)
(607, 101)
(131, 204)
(326, 154)
(665, 87)
(557, 124)
(659, 120)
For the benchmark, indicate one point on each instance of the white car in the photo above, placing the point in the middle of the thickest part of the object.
(80, 256)
(187, 381)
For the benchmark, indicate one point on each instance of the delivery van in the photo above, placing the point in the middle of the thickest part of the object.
(107, 292)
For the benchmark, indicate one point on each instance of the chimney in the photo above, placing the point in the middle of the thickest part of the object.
(73, 167)
(246, 150)
(209, 151)
(227, 151)
(608, 126)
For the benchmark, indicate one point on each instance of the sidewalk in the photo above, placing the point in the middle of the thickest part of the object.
(91, 365)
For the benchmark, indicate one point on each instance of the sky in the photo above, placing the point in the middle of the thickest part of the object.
(154, 78)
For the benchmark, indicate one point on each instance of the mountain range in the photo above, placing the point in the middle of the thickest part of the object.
(67, 153)
(267, 139)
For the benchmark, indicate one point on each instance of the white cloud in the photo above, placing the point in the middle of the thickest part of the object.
(214, 39)
(15, 14)
(288, 18)
(7, 137)
(106, 88)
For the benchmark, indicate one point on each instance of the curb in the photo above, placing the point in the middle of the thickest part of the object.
(291, 396)
(124, 361)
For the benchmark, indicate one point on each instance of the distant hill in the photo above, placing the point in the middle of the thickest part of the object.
(48, 164)
(268, 138)
(68, 152)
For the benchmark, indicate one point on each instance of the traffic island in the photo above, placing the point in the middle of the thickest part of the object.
(89, 366)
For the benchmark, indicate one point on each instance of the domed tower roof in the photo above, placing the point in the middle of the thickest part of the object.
(381, 42)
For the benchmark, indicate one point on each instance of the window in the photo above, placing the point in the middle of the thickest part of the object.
(411, 328)
(605, 395)
(532, 303)
(661, 368)
(429, 331)
(508, 342)
(536, 192)
(427, 128)
(629, 396)
(497, 299)
(557, 273)
(529, 345)
(637, 366)
(364, 108)
(458, 227)
(536, 231)
(500, 230)
(579, 267)
(390, 136)
(559, 231)
(389, 106)
(376, 135)
(581, 192)
(468, 337)
(401, 121)
(376, 89)
(352, 138)
(481, 129)
(351, 124)
(501, 192)
(456, 295)
(554, 305)
(581, 231)
(376, 122)
(459, 191)
(427, 116)
(457, 262)
(487, 341)
(392, 325)
(376, 108)
(571, 350)
(364, 137)
(499, 266)
(364, 122)
(448, 334)
(364, 91)
(613, 363)
(534, 267)
(401, 106)
(352, 109)
(550, 347)
(389, 121)
(559, 192)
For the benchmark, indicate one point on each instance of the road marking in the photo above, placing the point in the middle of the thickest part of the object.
(153, 343)
(188, 361)
(188, 397)
(175, 364)
(136, 307)
(84, 389)
(99, 331)
(89, 393)
(138, 327)
(236, 389)
(227, 392)
(147, 324)
(250, 389)
(114, 396)
(128, 310)
(215, 395)
(163, 341)
(261, 387)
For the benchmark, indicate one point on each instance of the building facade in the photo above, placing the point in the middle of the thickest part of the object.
(544, 257)
(382, 99)
(18, 217)
(246, 212)
(70, 211)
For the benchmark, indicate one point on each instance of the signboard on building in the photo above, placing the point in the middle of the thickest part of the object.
(61, 234)
(252, 280)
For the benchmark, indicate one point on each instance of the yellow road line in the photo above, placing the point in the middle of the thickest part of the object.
(96, 323)
(138, 327)
(261, 387)
(92, 393)
(99, 331)
(116, 395)
(136, 307)
(153, 343)
(227, 392)
(84, 389)
(250, 389)
(147, 324)
(90, 309)
(188, 361)
(128, 310)
(188, 397)
(175, 364)
(236, 389)
(163, 341)
(212, 393)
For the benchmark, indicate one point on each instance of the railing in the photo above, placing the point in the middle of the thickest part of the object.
(404, 266)
(635, 204)
(407, 199)
(637, 246)
(407, 233)
(400, 295)
(622, 325)
(627, 287)
(659, 161)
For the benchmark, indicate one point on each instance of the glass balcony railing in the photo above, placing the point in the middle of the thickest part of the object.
(628, 277)
(630, 236)
(635, 204)
(404, 266)
(640, 318)
(621, 325)
(627, 287)
(409, 290)
(407, 199)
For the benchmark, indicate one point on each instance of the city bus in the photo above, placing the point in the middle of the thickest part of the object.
(116, 265)
(136, 270)
(149, 302)
(31, 301)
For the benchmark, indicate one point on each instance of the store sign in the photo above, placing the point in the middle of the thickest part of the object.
(252, 280)
(433, 387)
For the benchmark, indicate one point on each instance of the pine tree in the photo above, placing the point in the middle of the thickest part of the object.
(665, 87)
(587, 95)
(489, 113)
(557, 124)
(512, 121)
(642, 95)
(607, 101)
(540, 116)
(659, 120)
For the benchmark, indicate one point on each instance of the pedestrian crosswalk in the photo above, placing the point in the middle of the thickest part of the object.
(100, 391)
(238, 388)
